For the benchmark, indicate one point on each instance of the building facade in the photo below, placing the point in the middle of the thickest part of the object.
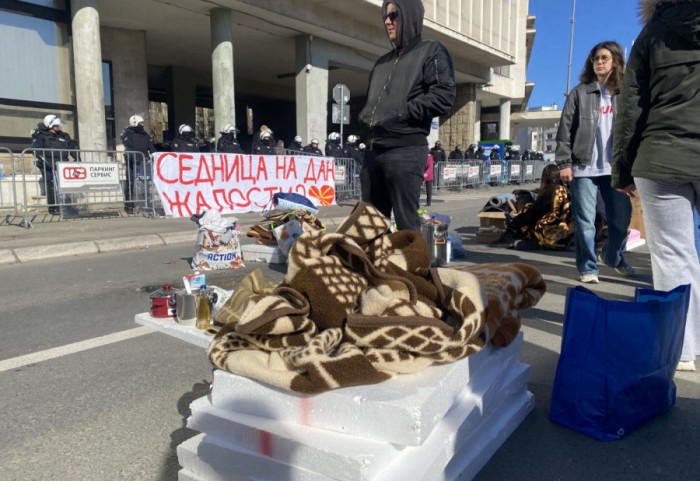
(248, 62)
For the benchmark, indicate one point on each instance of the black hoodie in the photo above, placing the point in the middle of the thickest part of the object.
(409, 86)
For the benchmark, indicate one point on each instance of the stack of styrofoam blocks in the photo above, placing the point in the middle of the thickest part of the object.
(443, 423)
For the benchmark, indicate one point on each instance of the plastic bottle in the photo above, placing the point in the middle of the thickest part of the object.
(449, 248)
(203, 310)
(2, 171)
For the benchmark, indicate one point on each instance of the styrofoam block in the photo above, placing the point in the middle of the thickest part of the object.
(187, 475)
(172, 328)
(350, 458)
(262, 253)
(326, 452)
(472, 411)
(483, 443)
(403, 410)
(201, 455)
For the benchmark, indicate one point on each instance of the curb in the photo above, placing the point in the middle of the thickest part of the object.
(55, 251)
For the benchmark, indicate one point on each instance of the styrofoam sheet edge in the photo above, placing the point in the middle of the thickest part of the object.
(172, 328)
(467, 462)
(351, 405)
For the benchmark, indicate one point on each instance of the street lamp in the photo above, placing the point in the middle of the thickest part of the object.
(571, 48)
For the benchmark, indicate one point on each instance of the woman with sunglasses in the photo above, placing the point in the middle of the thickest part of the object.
(584, 155)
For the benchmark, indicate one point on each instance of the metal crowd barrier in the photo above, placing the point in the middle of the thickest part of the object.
(347, 179)
(40, 186)
(8, 192)
(469, 173)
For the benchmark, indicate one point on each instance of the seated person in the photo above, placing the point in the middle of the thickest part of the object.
(547, 221)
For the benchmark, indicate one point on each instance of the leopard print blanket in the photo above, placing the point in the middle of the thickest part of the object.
(361, 305)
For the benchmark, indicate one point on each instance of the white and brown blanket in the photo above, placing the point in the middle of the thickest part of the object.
(361, 305)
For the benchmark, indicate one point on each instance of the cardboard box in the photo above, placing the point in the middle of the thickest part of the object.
(486, 236)
(492, 219)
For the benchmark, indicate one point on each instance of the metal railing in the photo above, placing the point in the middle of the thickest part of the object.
(8, 193)
(42, 187)
(469, 173)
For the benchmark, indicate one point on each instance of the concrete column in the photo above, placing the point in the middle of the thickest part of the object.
(182, 99)
(126, 49)
(222, 68)
(504, 121)
(311, 89)
(458, 127)
(87, 58)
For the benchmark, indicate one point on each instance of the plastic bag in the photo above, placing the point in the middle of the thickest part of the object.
(293, 201)
(618, 360)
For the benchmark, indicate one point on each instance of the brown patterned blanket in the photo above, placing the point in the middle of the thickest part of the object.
(361, 305)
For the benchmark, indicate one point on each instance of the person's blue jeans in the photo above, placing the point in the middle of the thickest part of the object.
(618, 210)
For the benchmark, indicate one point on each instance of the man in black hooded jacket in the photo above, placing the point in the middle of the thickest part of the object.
(408, 87)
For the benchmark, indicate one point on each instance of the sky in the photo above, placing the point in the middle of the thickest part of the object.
(595, 21)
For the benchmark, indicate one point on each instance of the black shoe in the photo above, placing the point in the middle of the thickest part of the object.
(54, 210)
(506, 240)
(129, 210)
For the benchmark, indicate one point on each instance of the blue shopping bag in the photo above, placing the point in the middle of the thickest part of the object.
(618, 360)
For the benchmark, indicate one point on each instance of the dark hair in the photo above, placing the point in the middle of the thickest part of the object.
(614, 81)
(550, 177)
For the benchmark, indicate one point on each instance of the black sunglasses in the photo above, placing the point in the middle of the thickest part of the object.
(391, 16)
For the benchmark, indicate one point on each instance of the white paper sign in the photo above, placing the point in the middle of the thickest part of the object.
(76, 177)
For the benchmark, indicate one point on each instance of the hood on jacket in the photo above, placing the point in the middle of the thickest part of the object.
(411, 13)
(679, 15)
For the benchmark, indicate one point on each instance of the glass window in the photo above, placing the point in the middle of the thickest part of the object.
(35, 59)
(59, 4)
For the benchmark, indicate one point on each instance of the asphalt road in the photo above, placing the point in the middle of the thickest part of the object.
(100, 397)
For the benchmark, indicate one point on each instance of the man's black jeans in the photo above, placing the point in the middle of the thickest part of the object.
(391, 179)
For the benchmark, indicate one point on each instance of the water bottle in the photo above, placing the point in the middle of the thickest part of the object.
(2, 171)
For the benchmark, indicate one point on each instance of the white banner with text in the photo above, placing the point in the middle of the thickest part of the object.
(191, 183)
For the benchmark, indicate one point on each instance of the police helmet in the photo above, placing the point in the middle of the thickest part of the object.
(334, 137)
(352, 139)
(231, 129)
(362, 146)
(264, 135)
(297, 139)
(184, 128)
(52, 120)
(135, 120)
(314, 141)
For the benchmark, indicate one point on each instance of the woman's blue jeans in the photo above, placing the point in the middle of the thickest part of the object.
(618, 211)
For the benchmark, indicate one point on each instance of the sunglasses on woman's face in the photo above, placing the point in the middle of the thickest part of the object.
(392, 16)
(603, 58)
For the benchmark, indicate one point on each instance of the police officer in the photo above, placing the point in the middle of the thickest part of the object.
(228, 142)
(438, 152)
(457, 153)
(471, 152)
(480, 153)
(333, 148)
(312, 148)
(265, 145)
(296, 146)
(184, 141)
(257, 139)
(51, 137)
(136, 141)
(352, 151)
(495, 153)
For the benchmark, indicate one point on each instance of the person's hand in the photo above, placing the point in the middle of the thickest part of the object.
(629, 190)
(566, 175)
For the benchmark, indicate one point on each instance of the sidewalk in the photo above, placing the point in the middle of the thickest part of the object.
(109, 231)
(112, 230)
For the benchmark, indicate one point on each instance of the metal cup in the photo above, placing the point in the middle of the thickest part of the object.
(186, 309)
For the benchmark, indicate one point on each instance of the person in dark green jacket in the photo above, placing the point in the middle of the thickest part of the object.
(656, 147)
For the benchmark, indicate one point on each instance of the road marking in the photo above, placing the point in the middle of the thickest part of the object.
(40, 356)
